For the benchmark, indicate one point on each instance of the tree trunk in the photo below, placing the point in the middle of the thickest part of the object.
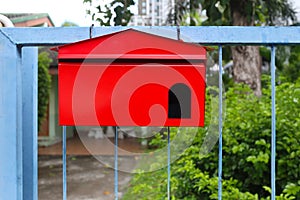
(246, 59)
(247, 67)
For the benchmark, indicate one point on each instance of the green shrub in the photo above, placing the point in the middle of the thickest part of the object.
(44, 83)
(246, 152)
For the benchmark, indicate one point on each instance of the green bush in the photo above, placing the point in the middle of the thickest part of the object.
(246, 152)
(291, 69)
(44, 83)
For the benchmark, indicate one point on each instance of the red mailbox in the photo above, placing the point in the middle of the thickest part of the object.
(131, 78)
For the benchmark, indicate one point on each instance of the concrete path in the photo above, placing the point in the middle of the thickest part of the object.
(88, 178)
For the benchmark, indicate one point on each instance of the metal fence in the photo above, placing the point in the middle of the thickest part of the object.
(18, 91)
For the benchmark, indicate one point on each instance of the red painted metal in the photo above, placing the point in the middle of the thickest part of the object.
(125, 79)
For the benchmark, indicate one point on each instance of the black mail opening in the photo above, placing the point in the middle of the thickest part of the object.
(179, 105)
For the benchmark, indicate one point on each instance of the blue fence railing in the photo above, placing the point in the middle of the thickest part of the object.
(18, 91)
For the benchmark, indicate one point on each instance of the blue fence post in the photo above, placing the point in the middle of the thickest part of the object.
(116, 156)
(11, 173)
(64, 158)
(29, 117)
(169, 165)
(220, 123)
(273, 137)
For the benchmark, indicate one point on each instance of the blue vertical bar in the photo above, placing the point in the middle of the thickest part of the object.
(64, 152)
(29, 122)
(273, 137)
(220, 124)
(169, 165)
(11, 157)
(116, 164)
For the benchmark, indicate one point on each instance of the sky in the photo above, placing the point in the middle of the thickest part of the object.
(62, 10)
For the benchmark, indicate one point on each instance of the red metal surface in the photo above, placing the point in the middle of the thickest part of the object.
(124, 79)
(131, 44)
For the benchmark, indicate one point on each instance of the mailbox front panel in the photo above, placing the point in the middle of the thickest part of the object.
(123, 94)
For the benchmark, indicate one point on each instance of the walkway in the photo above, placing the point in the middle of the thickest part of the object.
(89, 177)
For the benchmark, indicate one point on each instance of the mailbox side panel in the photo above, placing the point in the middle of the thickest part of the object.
(66, 79)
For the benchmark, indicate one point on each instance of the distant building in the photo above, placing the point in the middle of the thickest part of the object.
(152, 12)
(29, 19)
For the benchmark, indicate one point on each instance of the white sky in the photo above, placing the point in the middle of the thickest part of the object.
(62, 10)
(297, 6)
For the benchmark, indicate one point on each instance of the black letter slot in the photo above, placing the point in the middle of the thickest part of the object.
(179, 101)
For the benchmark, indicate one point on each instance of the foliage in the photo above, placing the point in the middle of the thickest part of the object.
(44, 83)
(68, 24)
(261, 12)
(240, 13)
(287, 61)
(246, 152)
(115, 13)
(291, 69)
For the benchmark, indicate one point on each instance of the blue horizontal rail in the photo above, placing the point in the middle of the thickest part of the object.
(211, 35)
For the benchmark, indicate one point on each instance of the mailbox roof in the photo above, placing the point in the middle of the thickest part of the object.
(132, 44)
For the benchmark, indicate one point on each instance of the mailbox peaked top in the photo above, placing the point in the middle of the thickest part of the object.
(132, 44)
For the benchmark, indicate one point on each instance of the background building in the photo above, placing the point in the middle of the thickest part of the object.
(152, 13)
(29, 19)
